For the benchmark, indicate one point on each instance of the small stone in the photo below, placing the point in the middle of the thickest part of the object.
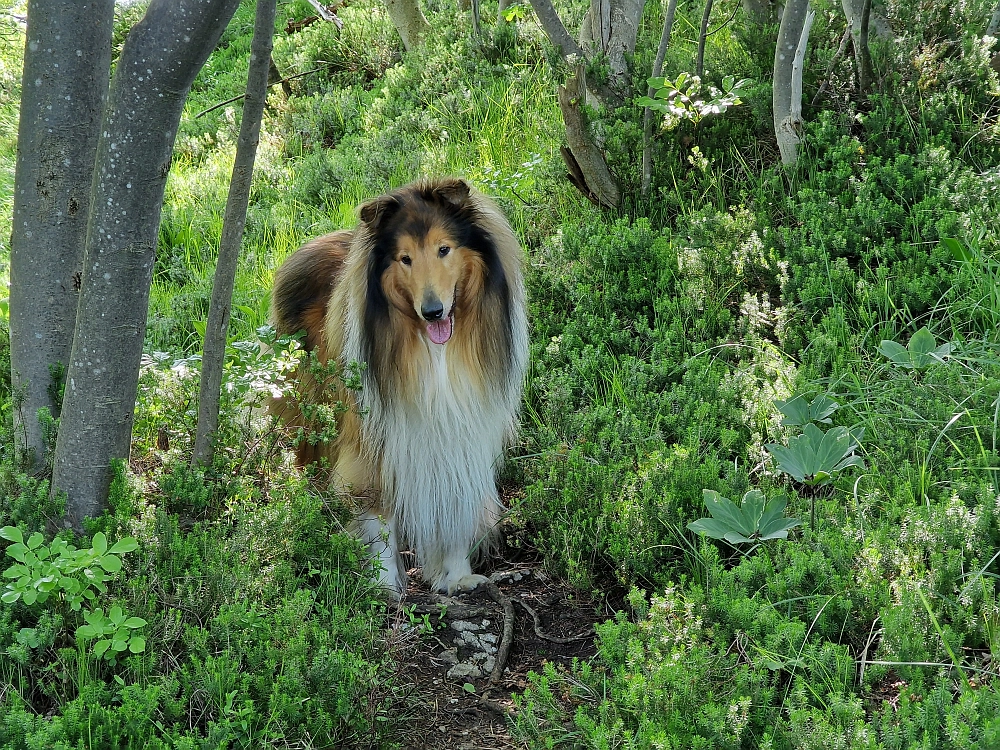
(489, 665)
(464, 626)
(464, 670)
(449, 656)
(486, 623)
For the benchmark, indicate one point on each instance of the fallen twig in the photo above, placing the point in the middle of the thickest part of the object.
(545, 636)
(508, 630)
(485, 702)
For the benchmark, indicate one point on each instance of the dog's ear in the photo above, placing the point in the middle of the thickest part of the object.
(453, 191)
(374, 212)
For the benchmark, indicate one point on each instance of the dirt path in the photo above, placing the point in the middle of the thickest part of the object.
(452, 641)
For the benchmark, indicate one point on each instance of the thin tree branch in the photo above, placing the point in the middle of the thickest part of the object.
(799, 64)
(325, 13)
(699, 68)
(647, 115)
(554, 29)
(865, 72)
(508, 631)
(234, 223)
(841, 50)
(276, 83)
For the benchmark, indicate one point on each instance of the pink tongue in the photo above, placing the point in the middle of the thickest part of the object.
(440, 330)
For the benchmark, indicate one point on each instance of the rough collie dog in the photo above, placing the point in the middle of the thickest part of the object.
(427, 293)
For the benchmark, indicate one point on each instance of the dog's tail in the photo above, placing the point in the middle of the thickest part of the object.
(303, 285)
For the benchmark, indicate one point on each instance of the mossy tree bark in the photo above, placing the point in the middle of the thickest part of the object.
(159, 61)
(67, 56)
(233, 223)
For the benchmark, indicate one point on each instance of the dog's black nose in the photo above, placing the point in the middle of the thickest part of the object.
(432, 310)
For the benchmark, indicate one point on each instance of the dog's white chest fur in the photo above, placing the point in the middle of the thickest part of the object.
(439, 454)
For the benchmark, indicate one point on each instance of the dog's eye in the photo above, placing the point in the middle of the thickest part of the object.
(406, 261)
(443, 251)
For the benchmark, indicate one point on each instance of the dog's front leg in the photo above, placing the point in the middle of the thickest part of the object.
(379, 533)
(458, 575)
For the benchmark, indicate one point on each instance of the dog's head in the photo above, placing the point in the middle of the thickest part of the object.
(426, 249)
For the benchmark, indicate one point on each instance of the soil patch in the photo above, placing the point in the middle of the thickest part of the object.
(453, 644)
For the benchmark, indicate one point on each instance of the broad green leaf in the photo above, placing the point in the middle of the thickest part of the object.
(958, 251)
(86, 632)
(788, 460)
(725, 510)
(710, 527)
(19, 551)
(111, 563)
(752, 510)
(119, 645)
(11, 534)
(35, 541)
(15, 571)
(896, 353)
(734, 537)
(134, 622)
(137, 645)
(780, 530)
(101, 646)
(127, 544)
(10, 596)
(799, 411)
(100, 543)
(30, 596)
(116, 615)
(813, 456)
(754, 520)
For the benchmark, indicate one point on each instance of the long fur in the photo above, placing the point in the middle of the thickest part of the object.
(424, 436)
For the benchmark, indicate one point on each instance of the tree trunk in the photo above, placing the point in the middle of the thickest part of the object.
(789, 57)
(614, 28)
(64, 88)
(409, 21)
(588, 169)
(647, 115)
(552, 25)
(161, 57)
(859, 13)
(994, 24)
(761, 11)
(217, 329)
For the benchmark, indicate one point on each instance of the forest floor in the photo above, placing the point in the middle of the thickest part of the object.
(462, 668)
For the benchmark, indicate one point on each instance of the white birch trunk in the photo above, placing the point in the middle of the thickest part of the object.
(789, 58)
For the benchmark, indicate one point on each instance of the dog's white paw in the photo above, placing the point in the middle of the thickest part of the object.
(394, 585)
(465, 583)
